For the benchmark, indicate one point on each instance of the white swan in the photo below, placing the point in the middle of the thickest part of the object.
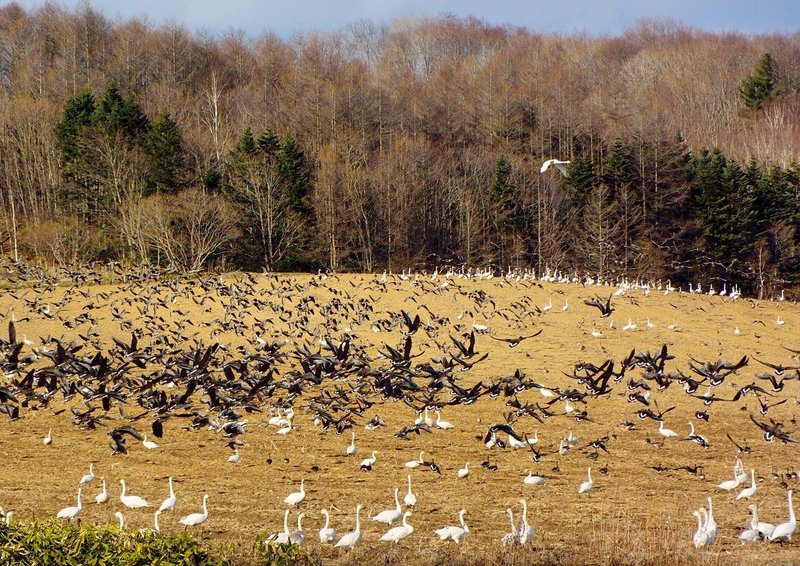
(525, 530)
(132, 501)
(444, 425)
(410, 499)
(297, 496)
(748, 491)
(728, 485)
(367, 463)
(586, 486)
(70, 513)
(668, 433)
(786, 530)
(557, 163)
(351, 448)
(234, 458)
(530, 479)
(283, 537)
(102, 497)
(463, 472)
(327, 533)
(511, 537)
(195, 519)
(298, 536)
(711, 524)
(88, 478)
(700, 538)
(354, 537)
(415, 463)
(390, 515)
(455, 533)
(750, 534)
(48, 440)
(396, 534)
(121, 518)
(149, 444)
(169, 503)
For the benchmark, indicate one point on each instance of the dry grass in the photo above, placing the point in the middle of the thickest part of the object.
(634, 516)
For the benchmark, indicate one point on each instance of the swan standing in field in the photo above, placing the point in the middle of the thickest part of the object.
(444, 425)
(121, 518)
(282, 537)
(710, 524)
(390, 515)
(511, 537)
(149, 444)
(132, 501)
(102, 497)
(327, 533)
(786, 530)
(354, 537)
(751, 534)
(70, 513)
(234, 458)
(88, 478)
(351, 448)
(415, 463)
(396, 534)
(748, 491)
(700, 538)
(666, 432)
(525, 530)
(367, 463)
(410, 499)
(169, 503)
(195, 519)
(728, 485)
(586, 486)
(463, 472)
(298, 536)
(457, 534)
(530, 479)
(297, 496)
(48, 440)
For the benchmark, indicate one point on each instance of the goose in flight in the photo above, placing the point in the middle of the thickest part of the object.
(558, 164)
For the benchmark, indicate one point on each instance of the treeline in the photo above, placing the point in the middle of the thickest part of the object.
(413, 144)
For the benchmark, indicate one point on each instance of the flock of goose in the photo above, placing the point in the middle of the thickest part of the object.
(213, 353)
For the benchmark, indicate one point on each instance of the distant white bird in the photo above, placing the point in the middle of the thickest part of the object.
(132, 501)
(88, 478)
(351, 448)
(530, 479)
(410, 499)
(70, 513)
(367, 463)
(195, 519)
(464, 472)
(352, 538)
(444, 425)
(169, 503)
(415, 463)
(297, 496)
(586, 486)
(149, 444)
(102, 497)
(748, 491)
(390, 515)
(298, 536)
(396, 534)
(327, 533)
(456, 533)
(558, 164)
(786, 530)
(48, 440)
(234, 458)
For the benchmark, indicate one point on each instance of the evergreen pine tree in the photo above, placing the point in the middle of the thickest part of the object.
(246, 144)
(163, 145)
(294, 173)
(760, 86)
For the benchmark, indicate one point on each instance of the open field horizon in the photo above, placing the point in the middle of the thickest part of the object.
(633, 514)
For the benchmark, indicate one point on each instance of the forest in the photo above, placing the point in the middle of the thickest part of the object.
(413, 145)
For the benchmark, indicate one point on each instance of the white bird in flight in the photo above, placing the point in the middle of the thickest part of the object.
(560, 165)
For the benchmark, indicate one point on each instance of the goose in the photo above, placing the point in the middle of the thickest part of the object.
(132, 501)
(283, 537)
(327, 533)
(557, 163)
(786, 530)
(666, 432)
(586, 486)
(415, 463)
(711, 525)
(352, 538)
(351, 448)
(751, 534)
(525, 530)
(748, 491)
(102, 497)
(48, 440)
(700, 538)
(70, 513)
(390, 515)
(530, 479)
(194, 519)
(121, 518)
(410, 499)
(298, 536)
(444, 425)
(169, 503)
(297, 496)
(396, 534)
(234, 458)
(463, 472)
(149, 444)
(367, 463)
(457, 534)
(88, 478)
(511, 537)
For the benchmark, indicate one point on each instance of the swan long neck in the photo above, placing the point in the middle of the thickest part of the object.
(524, 511)
(405, 519)
(510, 517)
(123, 487)
(327, 518)
(155, 522)
(286, 521)
(300, 521)
(396, 500)
(205, 505)
(461, 519)
(358, 519)
(79, 498)
(171, 490)
(792, 518)
(590, 474)
(699, 520)
(409, 483)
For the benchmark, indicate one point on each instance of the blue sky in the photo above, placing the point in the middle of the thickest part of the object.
(594, 17)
